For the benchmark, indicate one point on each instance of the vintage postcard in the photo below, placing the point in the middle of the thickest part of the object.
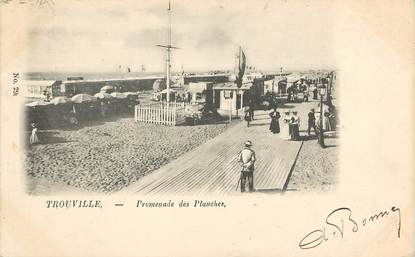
(207, 128)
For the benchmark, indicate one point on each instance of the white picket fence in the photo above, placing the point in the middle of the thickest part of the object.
(160, 113)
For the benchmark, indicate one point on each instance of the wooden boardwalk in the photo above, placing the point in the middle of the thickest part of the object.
(212, 168)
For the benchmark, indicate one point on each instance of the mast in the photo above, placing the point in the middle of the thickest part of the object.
(237, 86)
(168, 53)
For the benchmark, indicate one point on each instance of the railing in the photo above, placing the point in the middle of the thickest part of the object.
(160, 113)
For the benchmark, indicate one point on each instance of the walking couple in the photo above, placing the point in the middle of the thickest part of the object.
(290, 129)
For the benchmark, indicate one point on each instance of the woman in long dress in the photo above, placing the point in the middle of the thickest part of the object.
(295, 123)
(34, 139)
(285, 128)
(275, 125)
(326, 122)
(333, 117)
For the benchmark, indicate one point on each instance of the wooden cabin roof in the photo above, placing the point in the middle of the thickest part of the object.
(232, 86)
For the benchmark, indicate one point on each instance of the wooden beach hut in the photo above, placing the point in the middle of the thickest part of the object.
(36, 89)
(201, 92)
(227, 98)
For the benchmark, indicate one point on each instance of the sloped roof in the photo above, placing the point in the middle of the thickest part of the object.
(232, 86)
(44, 83)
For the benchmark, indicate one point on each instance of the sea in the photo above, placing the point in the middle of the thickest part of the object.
(87, 75)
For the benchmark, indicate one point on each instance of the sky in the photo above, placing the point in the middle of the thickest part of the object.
(99, 36)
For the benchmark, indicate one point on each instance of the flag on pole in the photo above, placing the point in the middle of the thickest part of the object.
(241, 68)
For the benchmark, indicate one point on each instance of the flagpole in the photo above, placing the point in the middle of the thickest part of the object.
(168, 56)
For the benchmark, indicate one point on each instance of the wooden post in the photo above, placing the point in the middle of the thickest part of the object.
(236, 102)
(171, 116)
(174, 116)
(147, 112)
(168, 116)
(242, 104)
(164, 115)
(230, 109)
(146, 115)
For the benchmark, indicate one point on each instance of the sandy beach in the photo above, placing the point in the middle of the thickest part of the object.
(109, 155)
(316, 169)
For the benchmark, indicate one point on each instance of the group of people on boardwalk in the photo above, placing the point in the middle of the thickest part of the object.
(289, 130)
(290, 122)
(290, 127)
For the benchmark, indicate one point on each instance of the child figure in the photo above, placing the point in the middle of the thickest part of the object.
(34, 139)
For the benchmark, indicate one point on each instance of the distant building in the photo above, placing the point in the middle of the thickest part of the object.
(217, 78)
(38, 88)
(74, 78)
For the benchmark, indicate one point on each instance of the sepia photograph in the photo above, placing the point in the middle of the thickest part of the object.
(156, 104)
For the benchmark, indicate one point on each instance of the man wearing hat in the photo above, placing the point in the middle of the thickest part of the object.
(246, 158)
(311, 121)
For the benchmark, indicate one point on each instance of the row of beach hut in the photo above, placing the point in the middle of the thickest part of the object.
(63, 111)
